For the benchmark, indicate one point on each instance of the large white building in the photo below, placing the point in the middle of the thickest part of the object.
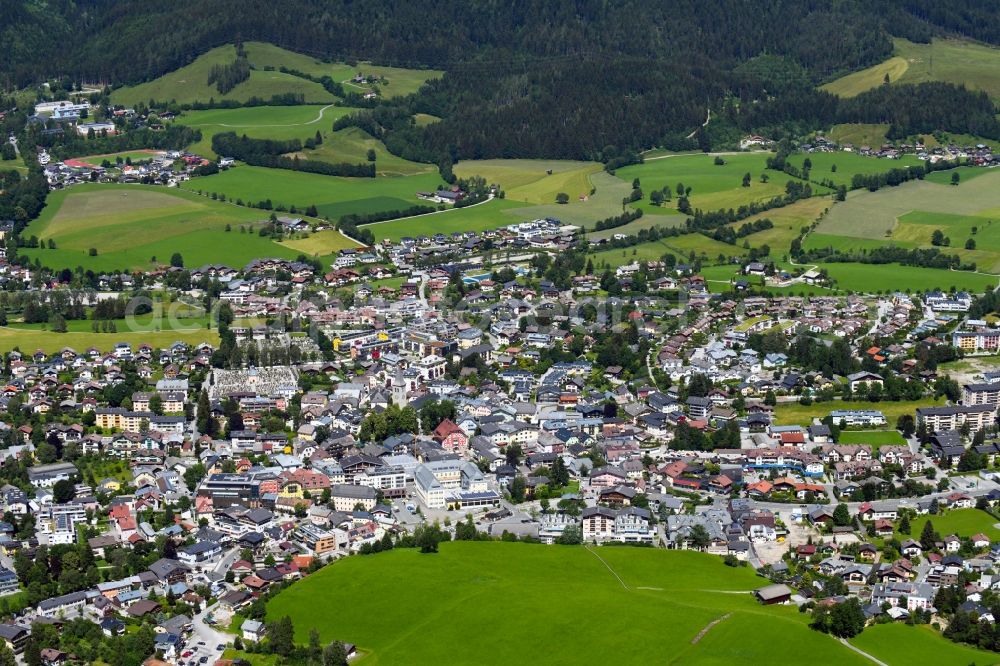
(452, 483)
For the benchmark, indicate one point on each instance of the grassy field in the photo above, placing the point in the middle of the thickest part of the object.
(190, 84)
(859, 134)
(908, 215)
(963, 522)
(262, 122)
(792, 413)
(130, 224)
(893, 277)
(321, 243)
(333, 196)
(858, 82)
(422, 119)
(645, 222)
(788, 222)
(352, 145)
(651, 251)
(490, 215)
(606, 201)
(134, 155)
(463, 605)
(961, 62)
(847, 165)
(530, 180)
(918, 646)
(875, 438)
(712, 186)
(28, 340)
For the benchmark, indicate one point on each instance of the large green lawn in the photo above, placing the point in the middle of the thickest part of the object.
(190, 84)
(534, 181)
(870, 278)
(963, 522)
(490, 215)
(974, 65)
(333, 196)
(792, 413)
(28, 339)
(262, 122)
(713, 187)
(841, 167)
(875, 438)
(918, 646)
(128, 225)
(497, 603)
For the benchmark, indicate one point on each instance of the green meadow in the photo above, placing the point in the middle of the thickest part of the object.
(792, 413)
(963, 522)
(875, 438)
(956, 61)
(920, 645)
(190, 84)
(840, 167)
(477, 602)
(858, 134)
(28, 339)
(333, 196)
(128, 225)
(482, 217)
(713, 186)
(352, 145)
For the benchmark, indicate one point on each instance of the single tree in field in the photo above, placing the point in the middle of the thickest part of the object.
(746, 179)
(562, 198)
(955, 178)
(970, 244)
(176, 260)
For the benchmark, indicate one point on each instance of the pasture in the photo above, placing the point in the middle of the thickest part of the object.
(868, 278)
(321, 243)
(482, 217)
(856, 83)
(788, 222)
(713, 187)
(840, 167)
(333, 196)
(606, 201)
(859, 134)
(908, 214)
(464, 603)
(352, 145)
(955, 61)
(134, 155)
(644, 222)
(531, 180)
(131, 224)
(918, 645)
(190, 84)
(262, 122)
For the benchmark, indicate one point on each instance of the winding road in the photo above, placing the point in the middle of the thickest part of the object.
(315, 120)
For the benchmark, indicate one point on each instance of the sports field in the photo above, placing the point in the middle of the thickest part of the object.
(131, 224)
(792, 413)
(190, 84)
(963, 522)
(494, 603)
(713, 187)
(333, 196)
(955, 61)
(262, 122)
(909, 214)
(875, 438)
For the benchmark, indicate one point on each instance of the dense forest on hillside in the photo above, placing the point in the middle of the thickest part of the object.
(594, 79)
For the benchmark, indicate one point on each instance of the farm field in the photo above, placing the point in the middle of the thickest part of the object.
(644, 222)
(963, 522)
(134, 155)
(352, 145)
(190, 84)
(28, 340)
(529, 180)
(965, 173)
(702, 246)
(605, 202)
(891, 214)
(130, 224)
(788, 222)
(262, 122)
(333, 196)
(894, 277)
(792, 413)
(961, 62)
(856, 83)
(677, 593)
(615, 257)
(321, 243)
(400, 81)
(918, 645)
(848, 165)
(876, 438)
(713, 187)
(482, 217)
(859, 134)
